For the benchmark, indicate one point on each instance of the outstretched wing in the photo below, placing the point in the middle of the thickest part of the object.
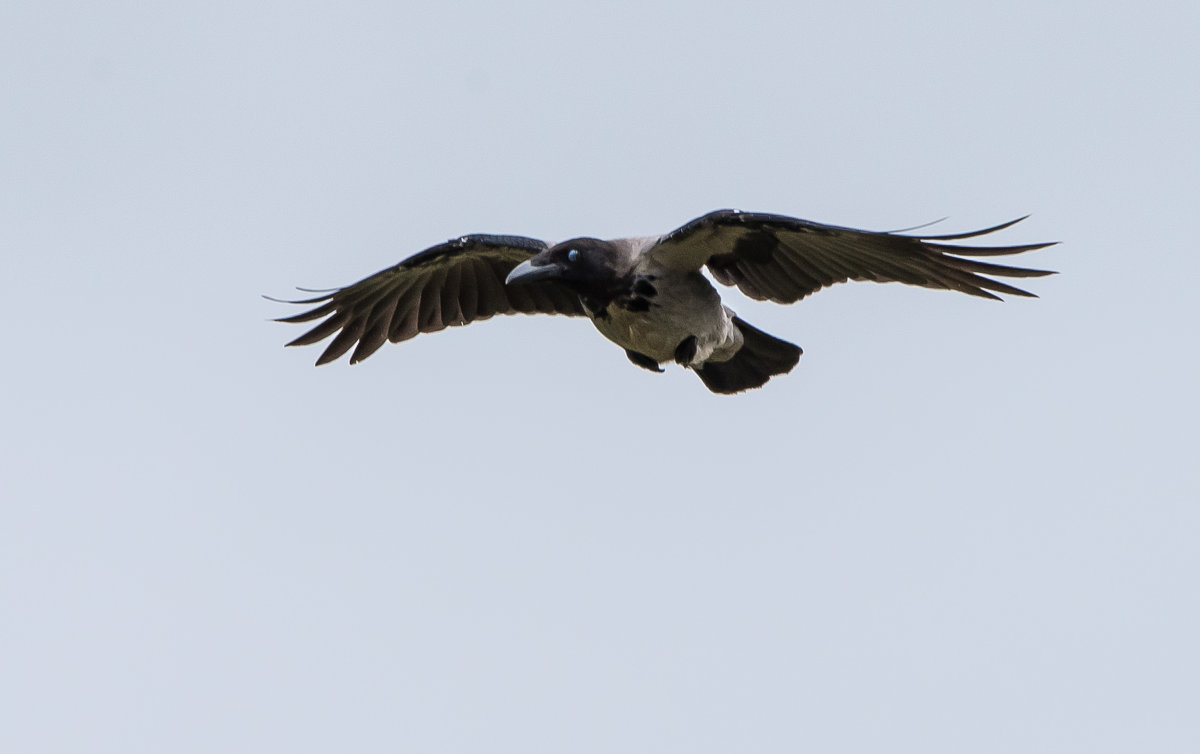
(450, 284)
(783, 259)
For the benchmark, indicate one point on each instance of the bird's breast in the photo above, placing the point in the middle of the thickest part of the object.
(659, 312)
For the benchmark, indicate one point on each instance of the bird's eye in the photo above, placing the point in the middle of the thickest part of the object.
(573, 255)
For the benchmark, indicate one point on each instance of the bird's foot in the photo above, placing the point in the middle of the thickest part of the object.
(685, 351)
(643, 361)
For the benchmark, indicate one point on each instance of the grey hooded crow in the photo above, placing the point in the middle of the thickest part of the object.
(649, 294)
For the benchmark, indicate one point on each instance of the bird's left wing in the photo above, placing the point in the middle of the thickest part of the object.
(450, 284)
(783, 259)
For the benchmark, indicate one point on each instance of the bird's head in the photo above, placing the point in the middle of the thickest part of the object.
(579, 264)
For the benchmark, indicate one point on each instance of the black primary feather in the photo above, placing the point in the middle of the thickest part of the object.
(453, 283)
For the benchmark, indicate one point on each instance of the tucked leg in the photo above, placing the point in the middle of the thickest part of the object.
(643, 361)
(685, 351)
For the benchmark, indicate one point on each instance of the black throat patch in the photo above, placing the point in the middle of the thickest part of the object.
(640, 294)
(632, 294)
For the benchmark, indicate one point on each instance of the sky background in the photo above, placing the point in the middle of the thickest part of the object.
(957, 526)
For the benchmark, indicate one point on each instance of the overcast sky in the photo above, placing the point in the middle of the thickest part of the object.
(957, 526)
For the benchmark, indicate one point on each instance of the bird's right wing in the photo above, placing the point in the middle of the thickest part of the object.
(784, 259)
(450, 284)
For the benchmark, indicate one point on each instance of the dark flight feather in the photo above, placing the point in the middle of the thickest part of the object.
(451, 284)
(783, 259)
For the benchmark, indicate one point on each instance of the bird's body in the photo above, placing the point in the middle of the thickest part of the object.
(648, 294)
(676, 306)
(658, 307)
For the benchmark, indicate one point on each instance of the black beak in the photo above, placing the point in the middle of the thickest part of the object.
(528, 272)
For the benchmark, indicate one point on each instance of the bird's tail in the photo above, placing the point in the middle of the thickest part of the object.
(760, 358)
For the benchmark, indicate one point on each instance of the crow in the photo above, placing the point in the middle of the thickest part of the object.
(649, 294)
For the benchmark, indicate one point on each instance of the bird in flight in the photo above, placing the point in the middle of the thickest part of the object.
(649, 294)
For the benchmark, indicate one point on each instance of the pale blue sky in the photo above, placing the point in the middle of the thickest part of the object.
(957, 526)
